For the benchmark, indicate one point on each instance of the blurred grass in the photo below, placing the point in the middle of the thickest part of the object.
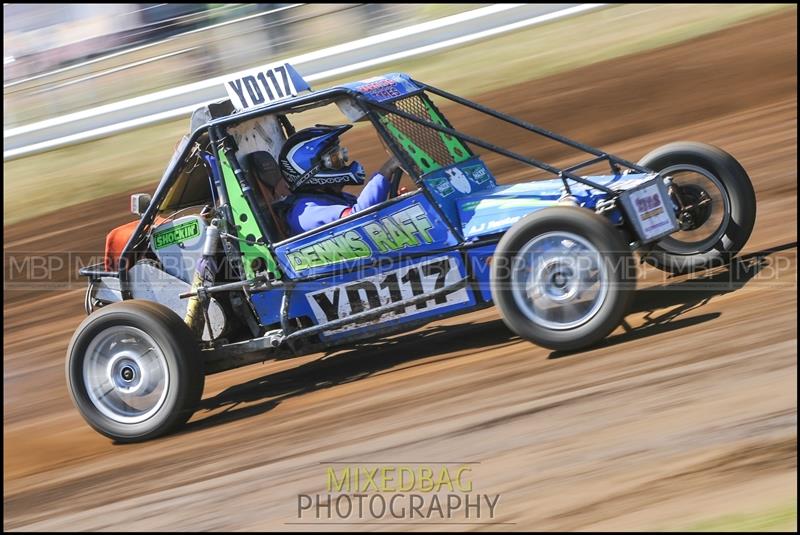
(46, 182)
(778, 519)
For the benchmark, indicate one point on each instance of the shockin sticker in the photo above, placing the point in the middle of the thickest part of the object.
(177, 234)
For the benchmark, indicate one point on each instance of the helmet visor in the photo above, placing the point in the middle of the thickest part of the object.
(336, 158)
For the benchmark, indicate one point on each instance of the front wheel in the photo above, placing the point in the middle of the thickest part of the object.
(134, 371)
(563, 277)
(715, 202)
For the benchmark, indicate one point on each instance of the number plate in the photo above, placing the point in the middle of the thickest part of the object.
(392, 286)
(649, 209)
(264, 85)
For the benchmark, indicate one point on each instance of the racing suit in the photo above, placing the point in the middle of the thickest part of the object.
(312, 210)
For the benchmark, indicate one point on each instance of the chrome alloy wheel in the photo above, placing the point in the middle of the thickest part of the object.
(559, 280)
(126, 374)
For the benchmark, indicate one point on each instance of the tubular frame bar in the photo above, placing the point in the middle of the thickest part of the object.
(530, 127)
(586, 163)
(564, 175)
(96, 271)
(167, 180)
(285, 105)
(230, 247)
(229, 152)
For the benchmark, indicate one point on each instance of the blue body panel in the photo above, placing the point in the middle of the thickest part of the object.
(268, 306)
(374, 258)
(493, 211)
(337, 297)
(479, 259)
(450, 184)
(413, 245)
(367, 247)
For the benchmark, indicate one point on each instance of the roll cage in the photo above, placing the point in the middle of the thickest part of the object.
(382, 112)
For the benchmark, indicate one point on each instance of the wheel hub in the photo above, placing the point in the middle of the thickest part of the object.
(686, 221)
(699, 212)
(560, 282)
(126, 374)
(557, 280)
(705, 210)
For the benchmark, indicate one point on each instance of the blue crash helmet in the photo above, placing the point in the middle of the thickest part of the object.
(312, 158)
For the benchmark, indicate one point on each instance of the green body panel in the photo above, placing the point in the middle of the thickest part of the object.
(251, 239)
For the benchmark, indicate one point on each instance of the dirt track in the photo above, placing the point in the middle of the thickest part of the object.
(691, 414)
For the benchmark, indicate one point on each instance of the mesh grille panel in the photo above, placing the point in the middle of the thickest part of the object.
(429, 149)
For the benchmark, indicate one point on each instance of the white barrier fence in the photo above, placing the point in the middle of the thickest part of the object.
(315, 66)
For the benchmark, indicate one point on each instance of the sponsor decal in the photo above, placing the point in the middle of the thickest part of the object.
(441, 186)
(649, 208)
(458, 179)
(382, 88)
(505, 203)
(348, 245)
(387, 87)
(409, 227)
(477, 173)
(389, 287)
(177, 234)
(493, 225)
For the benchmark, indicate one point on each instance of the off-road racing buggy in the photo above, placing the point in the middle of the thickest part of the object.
(207, 279)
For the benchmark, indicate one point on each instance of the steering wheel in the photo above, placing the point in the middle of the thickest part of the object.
(391, 169)
(394, 181)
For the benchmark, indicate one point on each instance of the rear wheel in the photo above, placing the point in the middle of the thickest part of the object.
(563, 278)
(716, 206)
(134, 371)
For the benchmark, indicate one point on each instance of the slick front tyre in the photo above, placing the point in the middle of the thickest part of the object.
(716, 206)
(134, 371)
(563, 278)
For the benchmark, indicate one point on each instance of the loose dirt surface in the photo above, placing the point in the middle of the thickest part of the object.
(690, 413)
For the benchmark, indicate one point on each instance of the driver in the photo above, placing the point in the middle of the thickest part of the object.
(315, 168)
